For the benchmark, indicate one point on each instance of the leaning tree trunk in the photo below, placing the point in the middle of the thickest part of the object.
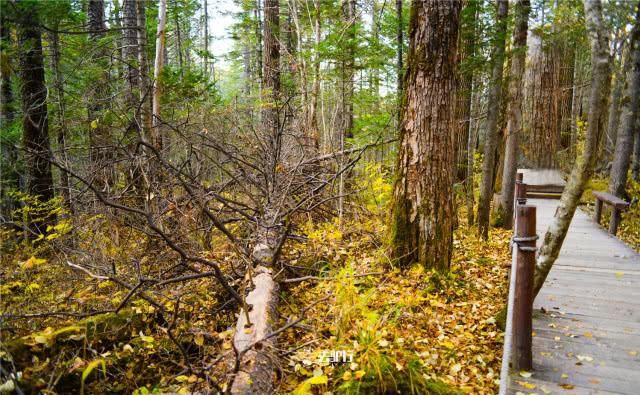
(35, 124)
(514, 122)
(491, 141)
(581, 173)
(423, 206)
(628, 117)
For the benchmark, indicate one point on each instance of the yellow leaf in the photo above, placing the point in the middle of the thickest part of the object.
(346, 376)
(94, 124)
(360, 374)
(182, 378)
(526, 385)
(317, 380)
(41, 339)
(33, 262)
(564, 376)
(567, 386)
(199, 339)
(524, 374)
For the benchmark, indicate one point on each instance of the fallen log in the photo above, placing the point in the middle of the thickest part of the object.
(255, 361)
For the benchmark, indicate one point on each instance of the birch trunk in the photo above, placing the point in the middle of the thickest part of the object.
(159, 62)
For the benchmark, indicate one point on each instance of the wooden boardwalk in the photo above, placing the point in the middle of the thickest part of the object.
(586, 319)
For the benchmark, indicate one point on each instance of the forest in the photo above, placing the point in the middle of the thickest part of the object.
(303, 196)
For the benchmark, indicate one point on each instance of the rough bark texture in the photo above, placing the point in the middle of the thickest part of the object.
(554, 237)
(491, 139)
(514, 114)
(467, 43)
(399, 60)
(628, 117)
(35, 125)
(423, 207)
(549, 94)
(130, 49)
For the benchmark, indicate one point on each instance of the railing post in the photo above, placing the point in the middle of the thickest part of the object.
(520, 195)
(598, 213)
(615, 218)
(525, 238)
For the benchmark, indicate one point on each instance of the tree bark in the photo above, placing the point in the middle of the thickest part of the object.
(10, 176)
(348, 65)
(613, 119)
(514, 121)
(635, 172)
(491, 140)
(62, 125)
(146, 118)
(423, 206)
(35, 123)
(581, 172)
(157, 88)
(130, 50)
(628, 117)
(399, 49)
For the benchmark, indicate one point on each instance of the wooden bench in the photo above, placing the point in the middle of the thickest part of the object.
(616, 203)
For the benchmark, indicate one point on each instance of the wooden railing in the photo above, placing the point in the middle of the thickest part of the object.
(518, 334)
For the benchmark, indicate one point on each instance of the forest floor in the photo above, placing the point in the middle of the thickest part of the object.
(407, 331)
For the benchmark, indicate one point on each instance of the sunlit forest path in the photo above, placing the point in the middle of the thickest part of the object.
(586, 318)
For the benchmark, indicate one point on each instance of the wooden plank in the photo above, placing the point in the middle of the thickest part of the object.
(592, 303)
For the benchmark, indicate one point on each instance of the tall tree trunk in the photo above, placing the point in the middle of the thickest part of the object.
(620, 70)
(146, 94)
(399, 49)
(635, 171)
(35, 124)
(466, 51)
(130, 51)
(62, 124)
(581, 172)
(348, 68)
(423, 207)
(495, 102)
(514, 121)
(100, 138)
(9, 153)
(157, 70)
(205, 58)
(315, 96)
(628, 116)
